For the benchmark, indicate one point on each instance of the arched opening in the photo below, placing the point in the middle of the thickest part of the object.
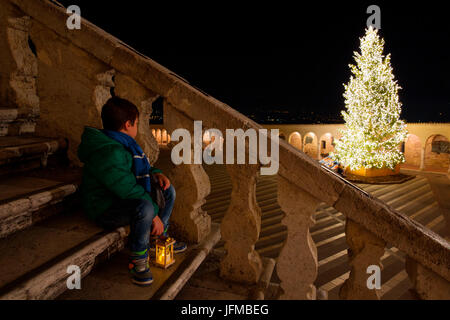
(435, 161)
(310, 145)
(295, 139)
(326, 145)
(154, 133)
(412, 152)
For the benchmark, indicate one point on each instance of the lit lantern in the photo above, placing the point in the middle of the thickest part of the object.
(164, 252)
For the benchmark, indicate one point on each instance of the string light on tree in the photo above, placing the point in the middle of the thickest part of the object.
(374, 130)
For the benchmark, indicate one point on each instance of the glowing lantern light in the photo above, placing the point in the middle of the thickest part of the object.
(164, 252)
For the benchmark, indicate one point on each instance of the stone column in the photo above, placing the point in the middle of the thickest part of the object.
(318, 149)
(422, 159)
(365, 250)
(297, 264)
(427, 284)
(188, 221)
(241, 226)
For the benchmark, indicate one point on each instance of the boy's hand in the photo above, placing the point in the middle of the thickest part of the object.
(157, 226)
(164, 182)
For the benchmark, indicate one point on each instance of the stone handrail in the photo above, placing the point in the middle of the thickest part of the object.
(303, 183)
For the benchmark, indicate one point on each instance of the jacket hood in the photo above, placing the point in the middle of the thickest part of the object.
(92, 140)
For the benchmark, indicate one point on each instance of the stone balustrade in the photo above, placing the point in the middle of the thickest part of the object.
(188, 220)
(297, 264)
(365, 250)
(303, 183)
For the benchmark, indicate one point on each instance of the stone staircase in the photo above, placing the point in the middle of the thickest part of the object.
(415, 198)
(43, 231)
(28, 186)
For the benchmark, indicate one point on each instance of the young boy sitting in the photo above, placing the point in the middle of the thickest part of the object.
(116, 185)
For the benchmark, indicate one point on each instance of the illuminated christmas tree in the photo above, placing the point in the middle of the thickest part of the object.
(374, 130)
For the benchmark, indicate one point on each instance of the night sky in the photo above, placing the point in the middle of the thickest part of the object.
(277, 56)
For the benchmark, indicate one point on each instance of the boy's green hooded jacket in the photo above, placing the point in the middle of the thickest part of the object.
(107, 173)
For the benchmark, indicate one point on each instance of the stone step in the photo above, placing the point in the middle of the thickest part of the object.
(334, 273)
(262, 189)
(327, 222)
(272, 251)
(394, 284)
(271, 220)
(269, 204)
(223, 199)
(35, 261)
(269, 230)
(28, 198)
(271, 239)
(388, 192)
(111, 280)
(397, 288)
(326, 233)
(20, 153)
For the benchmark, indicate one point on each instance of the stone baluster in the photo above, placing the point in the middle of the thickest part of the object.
(241, 226)
(188, 221)
(365, 250)
(318, 150)
(297, 264)
(427, 284)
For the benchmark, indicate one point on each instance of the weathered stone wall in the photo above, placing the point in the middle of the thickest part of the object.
(19, 102)
(73, 86)
(66, 83)
(6, 59)
(413, 149)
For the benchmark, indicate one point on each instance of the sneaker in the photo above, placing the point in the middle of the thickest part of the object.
(139, 267)
(178, 246)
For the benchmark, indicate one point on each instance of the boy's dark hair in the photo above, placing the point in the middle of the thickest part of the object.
(116, 112)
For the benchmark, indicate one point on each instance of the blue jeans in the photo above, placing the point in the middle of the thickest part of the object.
(139, 214)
